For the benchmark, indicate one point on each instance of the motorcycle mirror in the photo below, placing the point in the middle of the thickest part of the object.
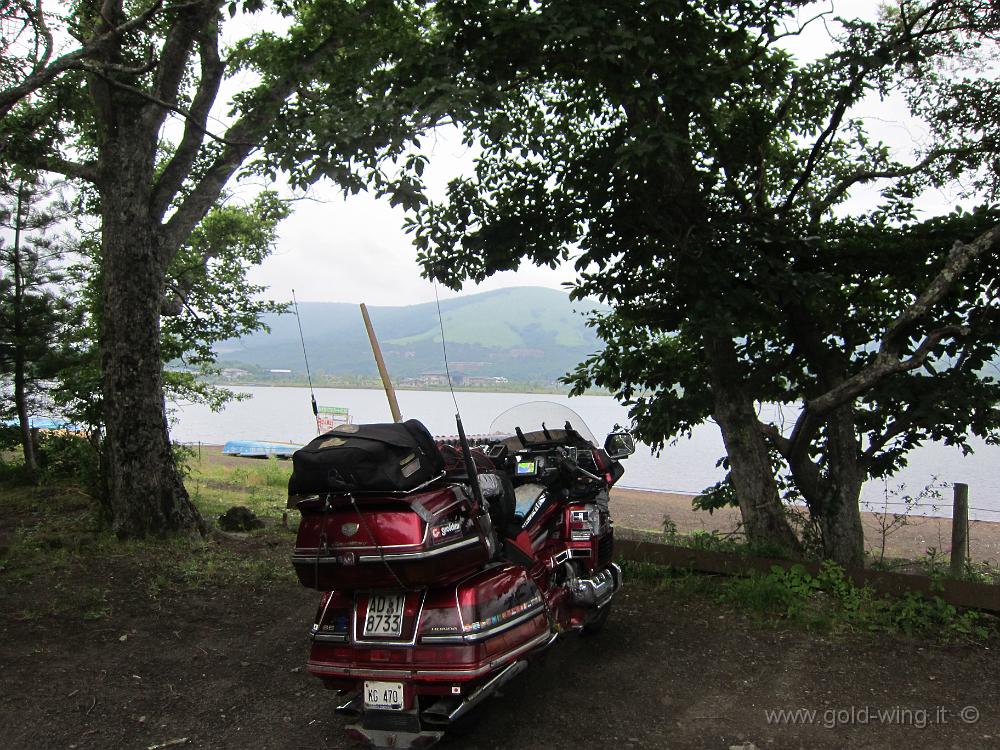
(619, 445)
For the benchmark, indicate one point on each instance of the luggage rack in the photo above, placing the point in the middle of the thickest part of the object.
(295, 500)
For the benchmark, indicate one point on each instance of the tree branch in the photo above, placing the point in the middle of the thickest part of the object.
(893, 430)
(52, 163)
(174, 56)
(889, 173)
(902, 37)
(241, 140)
(806, 473)
(12, 95)
(212, 71)
(188, 114)
(846, 98)
(43, 29)
(888, 361)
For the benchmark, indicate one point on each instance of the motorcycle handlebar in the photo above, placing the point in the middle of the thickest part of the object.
(573, 466)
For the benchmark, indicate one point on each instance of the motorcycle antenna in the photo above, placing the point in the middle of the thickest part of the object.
(312, 395)
(470, 465)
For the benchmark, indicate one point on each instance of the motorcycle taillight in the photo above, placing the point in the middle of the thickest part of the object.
(333, 617)
(471, 606)
(440, 616)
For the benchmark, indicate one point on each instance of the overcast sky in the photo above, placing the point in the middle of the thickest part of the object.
(334, 249)
(354, 250)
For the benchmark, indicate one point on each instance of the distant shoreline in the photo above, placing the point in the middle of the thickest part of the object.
(513, 387)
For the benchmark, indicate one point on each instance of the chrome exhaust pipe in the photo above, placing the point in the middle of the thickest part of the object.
(438, 713)
(487, 689)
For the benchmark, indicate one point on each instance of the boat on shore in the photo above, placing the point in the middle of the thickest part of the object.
(259, 449)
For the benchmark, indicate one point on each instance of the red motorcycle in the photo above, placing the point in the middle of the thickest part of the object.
(445, 568)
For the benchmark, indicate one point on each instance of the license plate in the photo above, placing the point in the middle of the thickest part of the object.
(387, 696)
(385, 614)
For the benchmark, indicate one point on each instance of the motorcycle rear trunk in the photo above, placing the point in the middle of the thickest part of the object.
(398, 541)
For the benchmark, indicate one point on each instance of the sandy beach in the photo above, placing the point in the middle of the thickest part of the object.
(642, 509)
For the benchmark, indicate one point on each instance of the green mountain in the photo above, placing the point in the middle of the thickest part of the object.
(526, 334)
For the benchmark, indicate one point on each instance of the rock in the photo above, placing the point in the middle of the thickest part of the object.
(239, 518)
(743, 746)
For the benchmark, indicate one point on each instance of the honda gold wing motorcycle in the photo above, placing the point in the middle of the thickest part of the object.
(446, 567)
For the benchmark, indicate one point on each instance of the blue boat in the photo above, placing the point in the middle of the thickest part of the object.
(259, 449)
(44, 423)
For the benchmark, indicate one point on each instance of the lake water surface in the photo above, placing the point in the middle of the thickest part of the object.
(284, 414)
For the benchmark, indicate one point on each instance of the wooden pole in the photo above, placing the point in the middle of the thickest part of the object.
(390, 392)
(959, 529)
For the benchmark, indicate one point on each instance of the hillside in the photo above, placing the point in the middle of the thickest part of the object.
(527, 334)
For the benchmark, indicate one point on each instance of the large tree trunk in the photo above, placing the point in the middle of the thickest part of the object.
(840, 516)
(749, 461)
(833, 496)
(146, 492)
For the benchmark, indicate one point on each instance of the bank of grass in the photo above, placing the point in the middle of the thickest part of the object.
(57, 560)
(828, 602)
(933, 564)
(258, 484)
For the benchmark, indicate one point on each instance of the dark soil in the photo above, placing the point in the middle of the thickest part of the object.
(223, 667)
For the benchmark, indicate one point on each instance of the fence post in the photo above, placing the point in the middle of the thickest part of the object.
(959, 529)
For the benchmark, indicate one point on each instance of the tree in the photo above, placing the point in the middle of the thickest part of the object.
(146, 72)
(35, 311)
(208, 300)
(26, 25)
(695, 169)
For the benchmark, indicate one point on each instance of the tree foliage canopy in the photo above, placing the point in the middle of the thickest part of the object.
(156, 105)
(699, 176)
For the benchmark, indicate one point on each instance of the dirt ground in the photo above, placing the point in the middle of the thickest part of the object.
(223, 668)
(640, 509)
(216, 665)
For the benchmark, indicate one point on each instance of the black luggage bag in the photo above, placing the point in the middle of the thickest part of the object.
(393, 457)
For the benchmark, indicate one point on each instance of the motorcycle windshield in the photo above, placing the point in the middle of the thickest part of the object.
(535, 417)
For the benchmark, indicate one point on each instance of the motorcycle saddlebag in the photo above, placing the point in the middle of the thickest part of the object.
(421, 539)
(367, 458)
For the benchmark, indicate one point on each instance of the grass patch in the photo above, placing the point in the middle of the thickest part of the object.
(709, 541)
(828, 602)
(57, 561)
(937, 564)
(260, 485)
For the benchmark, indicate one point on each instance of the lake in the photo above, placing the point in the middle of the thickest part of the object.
(285, 415)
